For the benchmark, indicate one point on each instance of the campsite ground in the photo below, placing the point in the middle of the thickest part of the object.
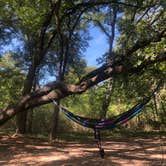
(129, 151)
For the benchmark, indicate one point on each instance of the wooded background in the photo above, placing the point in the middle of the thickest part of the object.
(52, 36)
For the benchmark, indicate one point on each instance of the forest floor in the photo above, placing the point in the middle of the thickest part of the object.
(131, 151)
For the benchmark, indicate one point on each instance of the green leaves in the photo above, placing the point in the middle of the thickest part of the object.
(11, 81)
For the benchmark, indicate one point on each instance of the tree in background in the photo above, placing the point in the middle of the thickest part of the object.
(11, 81)
(107, 25)
(48, 43)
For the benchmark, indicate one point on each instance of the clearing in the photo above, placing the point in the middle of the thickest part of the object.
(20, 151)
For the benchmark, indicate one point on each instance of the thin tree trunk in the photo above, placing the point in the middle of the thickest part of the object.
(108, 94)
(156, 104)
(138, 121)
(107, 99)
(55, 119)
(30, 121)
(156, 107)
(163, 118)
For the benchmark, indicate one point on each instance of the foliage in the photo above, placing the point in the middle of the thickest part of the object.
(53, 42)
(11, 81)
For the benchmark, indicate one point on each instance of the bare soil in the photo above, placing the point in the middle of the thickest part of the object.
(20, 151)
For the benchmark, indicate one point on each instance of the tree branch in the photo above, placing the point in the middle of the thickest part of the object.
(93, 3)
(140, 44)
(147, 62)
(58, 90)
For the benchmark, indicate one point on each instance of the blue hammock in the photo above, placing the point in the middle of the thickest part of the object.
(110, 123)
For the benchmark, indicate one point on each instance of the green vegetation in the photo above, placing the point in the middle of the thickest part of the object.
(52, 37)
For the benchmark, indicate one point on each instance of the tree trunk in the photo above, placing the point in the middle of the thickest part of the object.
(163, 118)
(63, 52)
(30, 113)
(30, 121)
(54, 123)
(107, 97)
(156, 107)
(156, 104)
(22, 116)
(106, 100)
(21, 122)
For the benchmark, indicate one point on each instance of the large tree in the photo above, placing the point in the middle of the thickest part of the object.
(141, 30)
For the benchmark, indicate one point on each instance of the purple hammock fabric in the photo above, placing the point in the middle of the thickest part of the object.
(110, 123)
(106, 123)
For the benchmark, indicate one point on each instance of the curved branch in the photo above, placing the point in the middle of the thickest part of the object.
(90, 4)
(58, 90)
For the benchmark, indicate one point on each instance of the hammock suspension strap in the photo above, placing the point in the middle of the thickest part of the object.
(98, 140)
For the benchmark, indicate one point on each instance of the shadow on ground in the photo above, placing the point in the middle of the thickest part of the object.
(22, 151)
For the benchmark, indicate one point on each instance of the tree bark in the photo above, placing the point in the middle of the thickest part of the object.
(54, 123)
(30, 121)
(22, 116)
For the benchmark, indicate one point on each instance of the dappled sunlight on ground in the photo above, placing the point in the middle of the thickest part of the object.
(22, 151)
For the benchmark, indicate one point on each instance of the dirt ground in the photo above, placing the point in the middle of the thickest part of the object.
(20, 151)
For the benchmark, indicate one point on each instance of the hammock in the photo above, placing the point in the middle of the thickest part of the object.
(110, 123)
